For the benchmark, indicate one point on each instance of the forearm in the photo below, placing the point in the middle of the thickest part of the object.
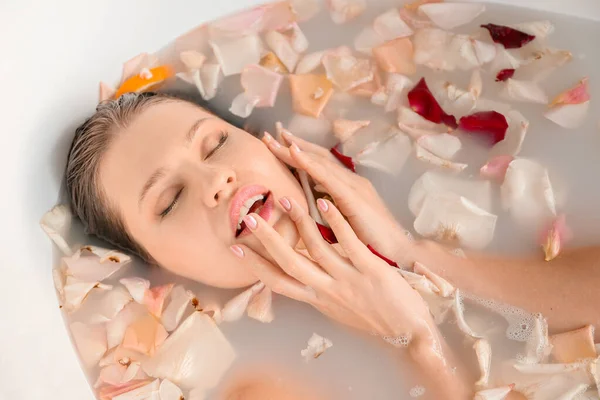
(564, 290)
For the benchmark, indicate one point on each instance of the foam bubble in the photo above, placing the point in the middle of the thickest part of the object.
(409, 235)
(399, 341)
(417, 391)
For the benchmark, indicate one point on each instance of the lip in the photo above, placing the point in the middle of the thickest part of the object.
(243, 194)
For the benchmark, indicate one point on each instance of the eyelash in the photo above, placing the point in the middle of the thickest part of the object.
(222, 139)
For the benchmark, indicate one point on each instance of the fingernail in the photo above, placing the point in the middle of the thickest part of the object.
(285, 203)
(322, 204)
(250, 222)
(287, 133)
(295, 147)
(237, 250)
(271, 140)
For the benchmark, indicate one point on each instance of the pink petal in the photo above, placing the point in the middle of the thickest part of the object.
(261, 306)
(297, 38)
(278, 16)
(110, 392)
(75, 292)
(428, 157)
(411, 16)
(368, 89)
(421, 100)
(396, 56)
(343, 11)
(239, 24)
(327, 233)
(115, 329)
(576, 95)
(343, 129)
(144, 335)
(495, 168)
(234, 54)
(366, 40)
(544, 65)
(505, 74)
(57, 223)
(137, 287)
(555, 237)
(211, 75)
(90, 341)
(261, 83)
(490, 124)
(305, 9)
(242, 105)
(111, 374)
(282, 47)
(180, 301)
(508, 37)
(155, 298)
(384, 258)
(192, 59)
(347, 161)
(388, 155)
(569, 116)
(346, 71)
(236, 307)
(524, 91)
(106, 92)
(390, 26)
(518, 126)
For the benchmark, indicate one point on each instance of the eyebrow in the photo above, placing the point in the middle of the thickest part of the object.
(161, 172)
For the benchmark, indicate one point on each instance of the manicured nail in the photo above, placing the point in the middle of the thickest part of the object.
(237, 250)
(322, 204)
(270, 140)
(285, 203)
(250, 222)
(287, 133)
(295, 147)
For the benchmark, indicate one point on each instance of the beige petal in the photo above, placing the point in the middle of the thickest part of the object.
(234, 54)
(396, 89)
(452, 15)
(262, 83)
(539, 29)
(192, 59)
(144, 335)
(544, 66)
(283, 48)
(211, 77)
(388, 155)
(439, 306)
(343, 11)
(555, 388)
(115, 329)
(518, 126)
(344, 129)
(149, 391)
(297, 38)
(309, 62)
(57, 224)
(524, 91)
(103, 305)
(430, 49)
(169, 391)
(483, 104)
(105, 92)
(396, 56)
(445, 288)
(235, 308)
(459, 311)
(572, 346)
(90, 341)
(484, 358)
(476, 84)
(75, 292)
(345, 71)
(416, 126)
(243, 105)
(154, 298)
(366, 40)
(442, 145)
(505, 59)
(261, 306)
(137, 287)
(310, 93)
(390, 25)
(305, 9)
(569, 116)
(432, 159)
(499, 393)
(180, 301)
(419, 282)
(317, 345)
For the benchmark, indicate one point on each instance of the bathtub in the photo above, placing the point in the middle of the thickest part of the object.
(53, 55)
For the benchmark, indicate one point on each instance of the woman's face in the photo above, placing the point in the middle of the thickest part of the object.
(180, 177)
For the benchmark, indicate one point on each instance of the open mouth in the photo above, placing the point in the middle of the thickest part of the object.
(254, 204)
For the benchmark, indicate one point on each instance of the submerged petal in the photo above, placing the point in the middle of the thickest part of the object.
(180, 301)
(90, 341)
(396, 89)
(484, 358)
(261, 306)
(211, 76)
(442, 145)
(544, 65)
(508, 37)
(576, 95)
(310, 93)
(343, 11)
(235, 308)
(555, 237)
(103, 306)
(396, 56)
(310, 62)
(169, 391)
(419, 282)
(144, 335)
(243, 105)
(282, 47)
(93, 264)
(570, 116)
(390, 25)
(234, 54)
(57, 224)
(505, 74)
(271, 62)
(345, 160)
(137, 287)
(192, 59)
(415, 125)
(388, 155)
(262, 83)
(366, 40)
(345, 71)
(432, 159)
(515, 135)
(445, 288)
(133, 390)
(305, 9)
(344, 129)
(499, 393)
(115, 328)
(573, 346)
(452, 15)
(154, 298)
(317, 345)
(488, 124)
(496, 167)
(424, 103)
(539, 29)
(524, 91)
(75, 292)
(459, 311)
(431, 48)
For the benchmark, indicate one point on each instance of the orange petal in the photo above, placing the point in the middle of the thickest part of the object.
(343, 129)
(272, 62)
(368, 89)
(572, 346)
(556, 237)
(396, 56)
(138, 83)
(134, 66)
(155, 298)
(144, 335)
(310, 93)
(576, 95)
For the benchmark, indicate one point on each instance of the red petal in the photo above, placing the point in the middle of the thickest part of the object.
(505, 75)
(384, 258)
(347, 161)
(327, 233)
(508, 37)
(489, 123)
(423, 102)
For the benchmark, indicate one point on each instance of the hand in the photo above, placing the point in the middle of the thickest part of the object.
(355, 196)
(361, 290)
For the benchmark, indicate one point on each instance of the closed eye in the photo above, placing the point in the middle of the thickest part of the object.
(171, 206)
(222, 139)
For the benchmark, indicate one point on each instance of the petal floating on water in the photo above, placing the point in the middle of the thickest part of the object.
(262, 83)
(103, 306)
(235, 308)
(148, 391)
(505, 59)
(137, 287)
(106, 92)
(192, 59)
(242, 23)
(317, 345)
(445, 288)
(430, 49)
(499, 393)
(129, 391)
(211, 76)
(539, 29)
(396, 56)
(442, 145)
(570, 116)
(144, 335)
(424, 103)
(409, 13)
(388, 155)
(484, 358)
(180, 301)
(76, 291)
(452, 15)
(93, 264)
(90, 341)
(508, 37)
(261, 306)
(279, 15)
(345, 71)
(456, 101)
(154, 298)
(524, 91)
(573, 346)
(576, 95)
(297, 39)
(515, 135)
(488, 124)
(234, 54)
(459, 311)
(390, 25)
(505, 74)
(243, 105)
(543, 66)
(309, 62)
(305, 9)
(196, 355)
(310, 93)
(396, 89)
(344, 129)
(495, 168)
(367, 39)
(555, 238)
(343, 11)
(169, 391)
(283, 48)
(115, 328)
(428, 157)
(57, 224)
(419, 282)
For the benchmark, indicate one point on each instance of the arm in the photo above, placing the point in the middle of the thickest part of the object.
(564, 290)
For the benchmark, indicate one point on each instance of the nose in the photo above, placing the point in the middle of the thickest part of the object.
(221, 186)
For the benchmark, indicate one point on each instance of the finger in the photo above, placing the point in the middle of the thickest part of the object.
(320, 251)
(288, 138)
(354, 249)
(273, 277)
(281, 152)
(294, 264)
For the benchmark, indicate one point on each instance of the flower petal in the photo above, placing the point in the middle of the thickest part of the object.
(424, 103)
(476, 84)
(498, 393)
(445, 288)
(489, 124)
(305, 9)
(129, 391)
(243, 105)
(390, 262)
(524, 91)
(451, 218)
(345, 160)
(390, 25)
(484, 358)
(234, 54)
(235, 308)
(544, 65)
(345, 71)
(415, 125)
(570, 116)
(576, 95)
(505, 74)
(539, 29)
(192, 59)
(505, 59)
(296, 37)
(90, 341)
(555, 237)
(310, 62)
(388, 155)
(169, 391)
(432, 159)
(459, 311)
(515, 135)
(573, 346)
(430, 49)
(419, 282)
(411, 16)
(396, 89)
(283, 48)
(271, 62)
(479, 192)
(442, 145)
(144, 335)
(343, 11)
(261, 306)
(308, 127)
(527, 193)
(154, 298)
(366, 40)
(57, 224)
(196, 355)
(148, 391)
(262, 83)
(396, 56)
(452, 15)
(103, 306)
(454, 100)
(508, 37)
(344, 129)
(137, 287)
(317, 345)
(310, 93)
(327, 233)
(211, 76)
(495, 168)
(86, 266)
(106, 92)
(180, 301)
(115, 328)
(76, 291)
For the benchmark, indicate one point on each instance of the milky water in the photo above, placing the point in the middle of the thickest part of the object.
(362, 367)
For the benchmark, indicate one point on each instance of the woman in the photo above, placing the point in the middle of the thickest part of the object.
(184, 189)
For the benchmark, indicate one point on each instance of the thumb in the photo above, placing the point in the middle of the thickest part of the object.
(272, 275)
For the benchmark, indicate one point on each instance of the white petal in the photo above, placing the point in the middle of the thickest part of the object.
(192, 59)
(515, 135)
(262, 83)
(234, 54)
(57, 224)
(570, 116)
(505, 59)
(346, 71)
(485, 52)
(445, 288)
(146, 392)
(305, 9)
(539, 29)
(344, 129)
(169, 391)
(479, 192)
(466, 53)
(308, 127)
(493, 394)
(137, 287)
(211, 76)
(543, 66)
(449, 217)
(430, 49)
(366, 40)
(242, 105)
(297, 39)
(90, 341)
(196, 394)
(134, 371)
(484, 358)
(180, 301)
(75, 292)
(537, 347)
(452, 15)
(317, 345)
(343, 11)
(439, 306)
(93, 264)
(388, 155)
(555, 388)
(432, 159)
(196, 355)
(283, 49)
(527, 193)
(476, 84)
(309, 62)
(415, 125)
(455, 101)
(396, 89)
(524, 91)
(59, 283)
(459, 311)
(235, 308)
(261, 306)
(115, 329)
(442, 145)
(390, 26)
(419, 282)
(102, 306)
